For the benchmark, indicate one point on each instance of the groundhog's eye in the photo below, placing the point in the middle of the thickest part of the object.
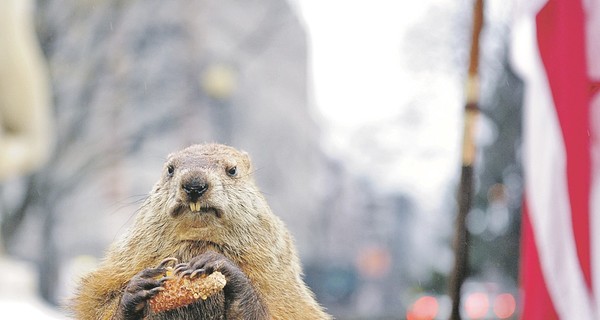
(232, 171)
(170, 170)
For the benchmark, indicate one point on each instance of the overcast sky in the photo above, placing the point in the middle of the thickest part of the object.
(361, 82)
(390, 121)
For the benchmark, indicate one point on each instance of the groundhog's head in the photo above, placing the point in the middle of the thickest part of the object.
(209, 185)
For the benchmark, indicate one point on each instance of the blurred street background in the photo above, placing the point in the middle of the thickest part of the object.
(350, 110)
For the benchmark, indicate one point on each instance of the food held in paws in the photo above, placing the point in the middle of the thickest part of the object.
(181, 291)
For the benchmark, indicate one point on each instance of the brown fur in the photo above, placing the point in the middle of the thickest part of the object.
(240, 225)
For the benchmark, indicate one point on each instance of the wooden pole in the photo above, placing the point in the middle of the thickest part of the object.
(465, 196)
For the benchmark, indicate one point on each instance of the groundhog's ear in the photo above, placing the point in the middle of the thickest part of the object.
(247, 161)
(170, 156)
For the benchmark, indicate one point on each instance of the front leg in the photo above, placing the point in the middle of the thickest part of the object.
(241, 298)
(142, 287)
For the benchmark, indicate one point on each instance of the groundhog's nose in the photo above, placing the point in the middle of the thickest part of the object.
(195, 189)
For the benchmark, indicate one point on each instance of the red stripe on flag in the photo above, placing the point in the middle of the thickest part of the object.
(561, 40)
(537, 303)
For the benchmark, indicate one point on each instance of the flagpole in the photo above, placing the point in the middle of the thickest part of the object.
(465, 195)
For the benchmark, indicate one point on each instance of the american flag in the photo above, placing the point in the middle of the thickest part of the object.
(556, 51)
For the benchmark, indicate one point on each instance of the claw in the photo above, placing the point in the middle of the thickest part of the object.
(153, 292)
(180, 267)
(185, 273)
(166, 262)
(196, 272)
(165, 279)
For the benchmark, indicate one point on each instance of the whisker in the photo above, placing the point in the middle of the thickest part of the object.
(127, 202)
(265, 193)
(127, 222)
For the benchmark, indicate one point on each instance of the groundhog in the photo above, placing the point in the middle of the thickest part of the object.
(206, 212)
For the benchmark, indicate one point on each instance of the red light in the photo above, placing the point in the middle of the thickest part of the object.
(504, 306)
(477, 305)
(425, 308)
(374, 261)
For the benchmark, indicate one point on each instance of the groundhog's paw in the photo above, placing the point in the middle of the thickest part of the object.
(140, 289)
(241, 299)
(208, 263)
